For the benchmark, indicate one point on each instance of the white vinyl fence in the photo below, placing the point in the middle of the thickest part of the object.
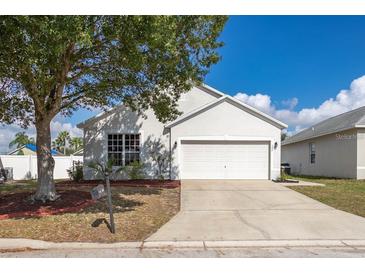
(25, 166)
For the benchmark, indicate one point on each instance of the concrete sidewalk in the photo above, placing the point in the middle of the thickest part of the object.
(23, 248)
(9, 244)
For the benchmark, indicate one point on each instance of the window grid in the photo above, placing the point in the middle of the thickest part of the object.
(123, 148)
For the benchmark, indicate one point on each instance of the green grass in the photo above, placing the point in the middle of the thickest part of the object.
(344, 194)
(18, 186)
(21, 185)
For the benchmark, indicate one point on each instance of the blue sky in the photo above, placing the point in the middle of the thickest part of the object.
(299, 69)
(309, 57)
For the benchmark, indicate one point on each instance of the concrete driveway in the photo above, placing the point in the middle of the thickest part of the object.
(227, 210)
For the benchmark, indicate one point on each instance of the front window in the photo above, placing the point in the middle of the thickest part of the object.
(123, 148)
(312, 152)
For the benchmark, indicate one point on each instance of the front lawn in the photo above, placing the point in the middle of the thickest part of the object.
(19, 186)
(139, 211)
(344, 194)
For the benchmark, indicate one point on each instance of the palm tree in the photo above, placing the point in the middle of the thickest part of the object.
(76, 143)
(20, 140)
(61, 141)
(106, 170)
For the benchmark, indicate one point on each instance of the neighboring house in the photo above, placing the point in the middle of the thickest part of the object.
(216, 137)
(333, 148)
(31, 149)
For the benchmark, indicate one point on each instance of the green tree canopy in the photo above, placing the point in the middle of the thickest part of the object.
(20, 140)
(76, 143)
(57, 64)
(62, 140)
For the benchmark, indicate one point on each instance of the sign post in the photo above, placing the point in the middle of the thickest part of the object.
(98, 192)
(110, 205)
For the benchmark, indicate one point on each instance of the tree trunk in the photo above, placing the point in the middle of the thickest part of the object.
(46, 190)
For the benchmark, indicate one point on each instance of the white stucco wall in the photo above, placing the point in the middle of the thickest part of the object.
(123, 120)
(221, 121)
(335, 156)
(226, 121)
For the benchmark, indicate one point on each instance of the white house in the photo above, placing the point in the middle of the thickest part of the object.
(333, 148)
(216, 137)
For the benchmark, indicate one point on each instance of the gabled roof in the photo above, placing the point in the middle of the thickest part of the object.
(204, 87)
(33, 148)
(345, 121)
(226, 98)
(218, 94)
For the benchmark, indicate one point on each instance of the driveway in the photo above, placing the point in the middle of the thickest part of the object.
(227, 210)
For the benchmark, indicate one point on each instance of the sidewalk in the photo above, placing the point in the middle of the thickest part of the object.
(9, 244)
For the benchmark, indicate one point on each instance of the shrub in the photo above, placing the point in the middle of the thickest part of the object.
(76, 172)
(134, 170)
(283, 175)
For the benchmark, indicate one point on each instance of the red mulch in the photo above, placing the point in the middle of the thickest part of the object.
(131, 183)
(18, 205)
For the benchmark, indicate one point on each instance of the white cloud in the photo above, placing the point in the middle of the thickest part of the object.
(291, 103)
(259, 101)
(345, 100)
(57, 127)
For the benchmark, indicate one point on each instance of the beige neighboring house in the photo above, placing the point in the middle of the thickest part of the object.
(332, 148)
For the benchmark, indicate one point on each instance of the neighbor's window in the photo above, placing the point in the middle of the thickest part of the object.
(312, 152)
(123, 148)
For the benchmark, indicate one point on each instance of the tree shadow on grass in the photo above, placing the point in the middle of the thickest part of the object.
(120, 205)
(140, 190)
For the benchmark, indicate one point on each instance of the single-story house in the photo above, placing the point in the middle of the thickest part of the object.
(216, 137)
(31, 149)
(332, 148)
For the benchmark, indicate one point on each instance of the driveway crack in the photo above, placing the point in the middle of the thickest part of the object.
(263, 232)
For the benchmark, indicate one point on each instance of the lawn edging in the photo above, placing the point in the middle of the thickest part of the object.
(128, 183)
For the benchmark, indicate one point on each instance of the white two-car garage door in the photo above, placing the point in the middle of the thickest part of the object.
(224, 160)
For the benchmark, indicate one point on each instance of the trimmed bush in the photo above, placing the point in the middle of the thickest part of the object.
(76, 172)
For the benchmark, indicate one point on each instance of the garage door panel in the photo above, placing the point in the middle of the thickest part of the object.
(225, 160)
(196, 165)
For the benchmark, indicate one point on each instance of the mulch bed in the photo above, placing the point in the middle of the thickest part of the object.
(131, 183)
(18, 205)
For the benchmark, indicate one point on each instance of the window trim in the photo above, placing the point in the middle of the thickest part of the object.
(111, 132)
(312, 152)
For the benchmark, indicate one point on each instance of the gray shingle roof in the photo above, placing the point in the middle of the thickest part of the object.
(344, 121)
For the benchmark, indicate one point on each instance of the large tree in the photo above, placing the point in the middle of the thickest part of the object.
(57, 64)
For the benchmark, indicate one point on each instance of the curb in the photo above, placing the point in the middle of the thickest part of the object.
(38, 244)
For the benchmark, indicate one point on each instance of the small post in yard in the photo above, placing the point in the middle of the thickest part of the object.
(110, 205)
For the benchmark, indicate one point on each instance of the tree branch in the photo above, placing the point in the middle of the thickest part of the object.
(55, 98)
